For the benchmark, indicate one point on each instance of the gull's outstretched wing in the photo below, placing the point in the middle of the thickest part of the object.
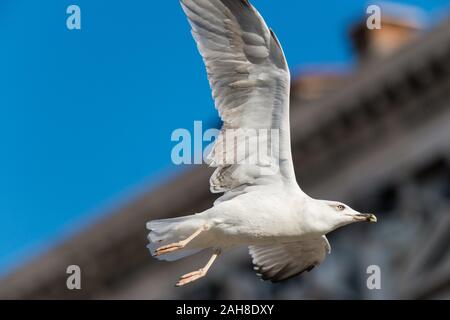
(281, 262)
(250, 82)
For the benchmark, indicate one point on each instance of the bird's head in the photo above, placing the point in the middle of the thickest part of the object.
(336, 215)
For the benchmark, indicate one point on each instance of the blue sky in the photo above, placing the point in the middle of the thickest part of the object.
(86, 116)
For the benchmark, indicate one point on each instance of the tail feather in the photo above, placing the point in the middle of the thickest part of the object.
(163, 232)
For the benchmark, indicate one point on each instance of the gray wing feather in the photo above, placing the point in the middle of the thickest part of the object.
(281, 262)
(250, 83)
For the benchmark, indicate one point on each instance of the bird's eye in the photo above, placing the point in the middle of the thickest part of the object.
(340, 207)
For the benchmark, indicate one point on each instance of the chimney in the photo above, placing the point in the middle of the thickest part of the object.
(400, 25)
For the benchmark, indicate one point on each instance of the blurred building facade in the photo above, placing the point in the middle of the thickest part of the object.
(377, 138)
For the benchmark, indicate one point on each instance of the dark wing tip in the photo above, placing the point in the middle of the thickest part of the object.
(280, 276)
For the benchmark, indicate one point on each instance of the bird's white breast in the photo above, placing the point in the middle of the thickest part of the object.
(264, 216)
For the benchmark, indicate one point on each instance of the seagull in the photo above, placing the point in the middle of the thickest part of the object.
(262, 206)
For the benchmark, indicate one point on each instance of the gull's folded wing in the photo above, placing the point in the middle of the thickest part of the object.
(281, 262)
(250, 82)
